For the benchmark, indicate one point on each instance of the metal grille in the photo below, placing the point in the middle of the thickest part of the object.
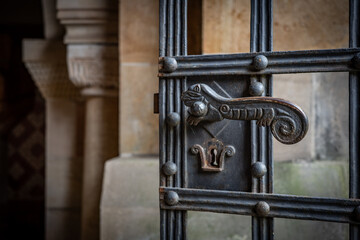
(184, 185)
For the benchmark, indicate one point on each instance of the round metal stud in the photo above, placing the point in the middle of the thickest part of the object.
(198, 109)
(169, 64)
(169, 168)
(256, 88)
(258, 169)
(173, 119)
(171, 198)
(262, 209)
(260, 62)
(356, 213)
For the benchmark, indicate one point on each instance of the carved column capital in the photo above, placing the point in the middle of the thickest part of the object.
(89, 22)
(89, 25)
(94, 68)
(92, 45)
(46, 62)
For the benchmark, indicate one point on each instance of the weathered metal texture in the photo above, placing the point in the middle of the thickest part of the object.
(354, 118)
(235, 175)
(194, 141)
(284, 206)
(212, 155)
(288, 122)
(172, 26)
(330, 60)
(261, 139)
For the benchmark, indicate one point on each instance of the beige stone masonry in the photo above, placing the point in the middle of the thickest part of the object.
(93, 65)
(138, 28)
(85, 24)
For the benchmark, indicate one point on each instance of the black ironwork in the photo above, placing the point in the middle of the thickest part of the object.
(354, 118)
(212, 155)
(330, 60)
(284, 206)
(205, 162)
(288, 122)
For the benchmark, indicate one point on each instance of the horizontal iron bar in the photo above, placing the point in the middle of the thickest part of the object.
(284, 206)
(330, 60)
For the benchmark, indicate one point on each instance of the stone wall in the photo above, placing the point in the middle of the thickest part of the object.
(138, 30)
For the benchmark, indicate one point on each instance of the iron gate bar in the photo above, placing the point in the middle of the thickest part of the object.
(284, 206)
(329, 60)
(261, 138)
(175, 199)
(354, 103)
(172, 34)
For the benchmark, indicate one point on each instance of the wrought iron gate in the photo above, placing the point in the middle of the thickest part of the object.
(217, 118)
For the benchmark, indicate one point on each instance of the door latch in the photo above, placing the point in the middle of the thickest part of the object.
(288, 123)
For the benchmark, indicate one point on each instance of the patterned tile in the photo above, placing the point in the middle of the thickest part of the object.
(26, 155)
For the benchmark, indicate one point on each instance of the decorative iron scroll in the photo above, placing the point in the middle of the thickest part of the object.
(288, 122)
(212, 154)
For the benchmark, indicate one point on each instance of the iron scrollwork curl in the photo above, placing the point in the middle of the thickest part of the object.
(287, 121)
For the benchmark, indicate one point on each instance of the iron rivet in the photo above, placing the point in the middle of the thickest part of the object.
(356, 213)
(260, 62)
(169, 64)
(171, 198)
(173, 119)
(198, 109)
(258, 169)
(256, 88)
(169, 168)
(262, 208)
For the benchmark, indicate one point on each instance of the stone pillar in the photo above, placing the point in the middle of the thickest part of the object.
(92, 57)
(46, 62)
(94, 69)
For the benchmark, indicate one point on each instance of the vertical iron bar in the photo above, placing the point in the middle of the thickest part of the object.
(162, 111)
(172, 42)
(354, 103)
(177, 45)
(261, 41)
(254, 157)
(170, 105)
(183, 112)
(184, 155)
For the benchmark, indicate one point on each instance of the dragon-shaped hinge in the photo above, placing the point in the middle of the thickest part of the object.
(212, 154)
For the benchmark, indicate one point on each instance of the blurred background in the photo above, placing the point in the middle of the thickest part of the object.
(78, 137)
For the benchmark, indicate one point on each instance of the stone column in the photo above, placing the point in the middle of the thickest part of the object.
(46, 62)
(92, 57)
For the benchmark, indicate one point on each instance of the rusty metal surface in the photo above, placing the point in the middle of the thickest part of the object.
(212, 154)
